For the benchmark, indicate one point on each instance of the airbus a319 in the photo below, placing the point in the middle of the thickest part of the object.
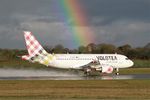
(103, 63)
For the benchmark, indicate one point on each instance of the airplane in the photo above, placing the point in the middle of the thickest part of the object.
(88, 63)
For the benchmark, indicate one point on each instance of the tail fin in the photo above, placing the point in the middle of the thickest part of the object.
(33, 46)
(36, 52)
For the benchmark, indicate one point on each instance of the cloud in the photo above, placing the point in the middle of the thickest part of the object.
(118, 9)
(124, 32)
(112, 21)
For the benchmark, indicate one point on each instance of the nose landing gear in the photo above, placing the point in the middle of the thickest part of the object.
(117, 71)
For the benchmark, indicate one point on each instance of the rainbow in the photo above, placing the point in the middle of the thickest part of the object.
(78, 24)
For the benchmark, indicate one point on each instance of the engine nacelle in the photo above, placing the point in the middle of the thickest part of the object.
(100, 68)
(107, 69)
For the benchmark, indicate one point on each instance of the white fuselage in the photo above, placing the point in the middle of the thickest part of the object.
(75, 61)
(104, 62)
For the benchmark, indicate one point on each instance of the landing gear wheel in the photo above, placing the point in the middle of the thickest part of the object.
(117, 73)
(87, 73)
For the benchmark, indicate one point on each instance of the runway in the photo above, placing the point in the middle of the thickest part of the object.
(105, 77)
(30, 74)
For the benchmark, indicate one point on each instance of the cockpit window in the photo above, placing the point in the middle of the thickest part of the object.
(127, 58)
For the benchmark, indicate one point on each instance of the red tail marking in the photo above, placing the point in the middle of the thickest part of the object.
(32, 44)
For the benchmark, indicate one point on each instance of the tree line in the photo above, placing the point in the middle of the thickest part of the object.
(132, 53)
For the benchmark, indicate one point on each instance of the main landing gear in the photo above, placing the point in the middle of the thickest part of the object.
(87, 72)
(117, 71)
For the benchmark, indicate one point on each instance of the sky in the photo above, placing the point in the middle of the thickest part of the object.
(116, 22)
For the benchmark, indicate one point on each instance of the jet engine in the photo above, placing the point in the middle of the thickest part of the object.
(99, 68)
(107, 69)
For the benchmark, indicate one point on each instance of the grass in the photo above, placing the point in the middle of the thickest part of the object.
(20, 64)
(75, 89)
(17, 63)
(141, 63)
(135, 71)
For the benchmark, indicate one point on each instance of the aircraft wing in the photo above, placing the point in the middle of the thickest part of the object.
(90, 64)
(97, 66)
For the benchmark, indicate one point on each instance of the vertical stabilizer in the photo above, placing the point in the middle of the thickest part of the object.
(36, 52)
(33, 46)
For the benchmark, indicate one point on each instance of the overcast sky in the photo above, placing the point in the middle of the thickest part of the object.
(116, 22)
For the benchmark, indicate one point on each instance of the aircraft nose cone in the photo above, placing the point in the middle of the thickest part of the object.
(131, 63)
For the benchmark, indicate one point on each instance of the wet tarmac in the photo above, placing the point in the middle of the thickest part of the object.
(17, 74)
(105, 77)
